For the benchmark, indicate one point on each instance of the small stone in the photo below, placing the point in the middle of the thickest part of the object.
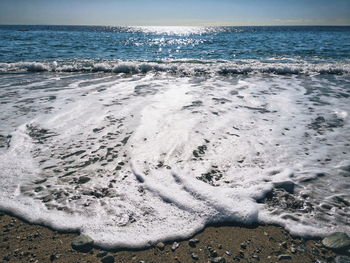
(256, 257)
(284, 256)
(337, 240)
(108, 259)
(212, 252)
(160, 245)
(40, 181)
(53, 257)
(82, 243)
(229, 253)
(218, 260)
(175, 246)
(194, 256)
(47, 198)
(219, 246)
(243, 246)
(284, 244)
(83, 179)
(193, 242)
(342, 259)
(293, 250)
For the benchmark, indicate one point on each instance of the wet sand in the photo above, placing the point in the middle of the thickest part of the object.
(24, 242)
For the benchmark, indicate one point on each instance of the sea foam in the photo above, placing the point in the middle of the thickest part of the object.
(135, 159)
(185, 67)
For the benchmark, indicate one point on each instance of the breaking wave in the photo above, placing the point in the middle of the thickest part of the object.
(184, 67)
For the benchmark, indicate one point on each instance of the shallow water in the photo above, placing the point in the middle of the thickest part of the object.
(160, 149)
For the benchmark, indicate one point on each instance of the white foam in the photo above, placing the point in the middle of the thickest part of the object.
(167, 156)
(187, 67)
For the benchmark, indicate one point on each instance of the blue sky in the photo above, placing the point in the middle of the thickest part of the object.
(175, 12)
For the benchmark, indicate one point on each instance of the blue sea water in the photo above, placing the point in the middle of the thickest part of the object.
(286, 44)
(135, 135)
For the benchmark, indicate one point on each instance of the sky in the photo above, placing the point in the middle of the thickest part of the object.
(175, 12)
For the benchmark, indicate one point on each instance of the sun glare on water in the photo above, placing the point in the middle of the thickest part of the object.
(175, 30)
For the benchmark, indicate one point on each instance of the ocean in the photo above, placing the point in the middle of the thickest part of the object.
(134, 135)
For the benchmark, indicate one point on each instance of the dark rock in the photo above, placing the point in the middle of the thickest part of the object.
(337, 240)
(284, 245)
(284, 256)
(38, 189)
(47, 198)
(193, 242)
(229, 253)
(82, 243)
(108, 259)
(40, 181)
(83, 179)
(194, 256)
(54, 257)
(243, 246)
(212, 252)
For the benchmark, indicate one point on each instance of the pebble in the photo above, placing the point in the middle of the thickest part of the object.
(218, 260)
(337, 240)
(83, 179)
(212, 252)
(243, 246)
(108, 259)
(175, 246)
(82, 243)
(293, 250)
(160, 245)
(229, 253)
(193, 242)
(284, 256)
(53, 257)
(194, 256)
(284, 244)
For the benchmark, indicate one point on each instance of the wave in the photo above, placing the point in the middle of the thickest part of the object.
(184, 67)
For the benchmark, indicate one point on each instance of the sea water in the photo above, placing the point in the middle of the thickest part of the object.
(135, 135)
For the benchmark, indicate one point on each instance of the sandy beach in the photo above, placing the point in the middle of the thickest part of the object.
(24, 242)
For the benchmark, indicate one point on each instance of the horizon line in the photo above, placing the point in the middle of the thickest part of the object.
(269, 25)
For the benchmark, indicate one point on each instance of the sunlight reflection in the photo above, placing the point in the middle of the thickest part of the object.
(175, 30)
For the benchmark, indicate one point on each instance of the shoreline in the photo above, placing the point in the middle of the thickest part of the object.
(25, 242)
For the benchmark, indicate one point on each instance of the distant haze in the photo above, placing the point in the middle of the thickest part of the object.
(179, 12)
